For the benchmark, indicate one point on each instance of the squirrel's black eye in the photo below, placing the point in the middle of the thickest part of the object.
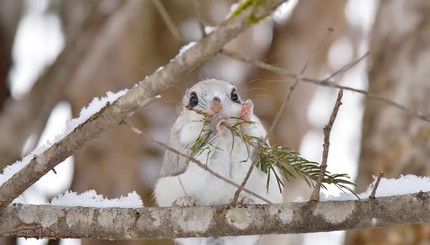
(234, 96)
(193, 99)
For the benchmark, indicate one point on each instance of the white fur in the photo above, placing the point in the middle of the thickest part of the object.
(229, 157)
(230, 162)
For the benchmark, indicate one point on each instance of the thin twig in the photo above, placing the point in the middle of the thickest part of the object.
(199, 17)
(258, 63)
(167, 19)
(325, 83)
(375, 186)
(190, 158)
(326, 146)
(244, 181)
(347, 66)
(316, 51)
(296, 82)
(279, 114)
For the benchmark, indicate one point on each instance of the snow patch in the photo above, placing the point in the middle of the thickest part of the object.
(92, 199)
(159, 69)
(405, 184)
(95, 105)
(233, 8)
(209, 29)
(12, 169)
(184, 48)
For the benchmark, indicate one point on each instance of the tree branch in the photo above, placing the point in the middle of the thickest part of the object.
(134, 100)
(326, 147)
(174, 222)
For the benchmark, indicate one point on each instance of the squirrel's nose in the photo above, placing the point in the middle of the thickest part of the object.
(216, 105)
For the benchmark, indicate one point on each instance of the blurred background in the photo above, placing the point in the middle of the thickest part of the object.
(56, 55)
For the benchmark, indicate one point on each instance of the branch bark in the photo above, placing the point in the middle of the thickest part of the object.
(134, 100)
(174, 222)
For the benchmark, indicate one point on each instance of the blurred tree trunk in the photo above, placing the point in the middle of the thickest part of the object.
(393, 141)
(10, 14)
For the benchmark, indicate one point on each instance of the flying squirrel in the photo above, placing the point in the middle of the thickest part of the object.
(183, 183)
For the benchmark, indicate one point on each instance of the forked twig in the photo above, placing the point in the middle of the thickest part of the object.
(326, 146)
(375, 186)
(347, 66)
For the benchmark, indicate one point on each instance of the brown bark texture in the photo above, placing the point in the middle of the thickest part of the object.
(392, 141)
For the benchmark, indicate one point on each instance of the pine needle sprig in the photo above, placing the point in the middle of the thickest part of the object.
(292, 164)
(273, 159)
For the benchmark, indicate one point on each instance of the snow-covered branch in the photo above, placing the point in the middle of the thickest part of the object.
(157, 223)
(135, 99)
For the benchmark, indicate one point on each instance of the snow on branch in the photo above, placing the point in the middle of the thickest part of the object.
(135, 99)
(173, 222)
(92, 199)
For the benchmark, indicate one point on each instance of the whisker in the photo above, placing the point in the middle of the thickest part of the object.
(258, 89)
(254, 81)
(263, 96)
(275, 80)
(178, 88)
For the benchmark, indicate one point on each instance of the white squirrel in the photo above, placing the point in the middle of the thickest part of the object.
(183, 183)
